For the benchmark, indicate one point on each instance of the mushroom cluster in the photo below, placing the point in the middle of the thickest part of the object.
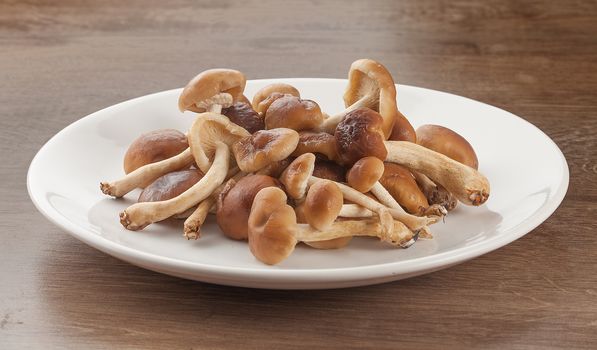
(277, 170)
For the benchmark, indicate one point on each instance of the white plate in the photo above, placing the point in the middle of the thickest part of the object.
(527, 171)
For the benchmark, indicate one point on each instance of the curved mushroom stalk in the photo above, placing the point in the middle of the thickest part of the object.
(147, 174)
(466, 183)
(371, 85)
(139, 215)
(273, 231)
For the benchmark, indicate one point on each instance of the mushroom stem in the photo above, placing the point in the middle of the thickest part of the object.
(385, 197)
(435, 194)
(355, 211)
(147, 173)
(330, 123)
(467, 184)
(216, 102)
(397, 235)
(139, 215)
(192, 225)
(413, 222)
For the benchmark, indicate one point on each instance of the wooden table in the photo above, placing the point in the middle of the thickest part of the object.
(59, 62)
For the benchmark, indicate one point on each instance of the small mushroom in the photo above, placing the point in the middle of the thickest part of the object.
(234, 204)
(294, 113)
(371, 85)
(152, 147)
(170, 185)
(365, 173)
(448, 143)
(264, 97)
(322, 204)
(316, 142)
(359, 135)
(295, 177)
(212, 90)
(274, 232)
(264, 147)
(243, 114)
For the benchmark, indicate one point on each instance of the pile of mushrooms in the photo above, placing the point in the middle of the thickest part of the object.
(278, 171)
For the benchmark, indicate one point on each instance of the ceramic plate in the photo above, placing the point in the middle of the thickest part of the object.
(527, 171)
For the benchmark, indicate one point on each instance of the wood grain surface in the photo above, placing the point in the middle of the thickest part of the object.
(61, 60)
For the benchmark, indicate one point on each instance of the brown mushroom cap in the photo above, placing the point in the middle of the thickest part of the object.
(322, 204)
(234, 205)
(170, 185)
(296, 176)
(294, 113)
(264, 147)
(360, 135)
(365, 173)
(264, 97)
(447, 142)
(243, 114)
(371, 85)
(316, 142)
(272, 224)
(210, 83)
(152, 147)
(329, 170)
(401, 184)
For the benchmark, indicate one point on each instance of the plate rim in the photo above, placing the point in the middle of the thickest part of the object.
(296, 275)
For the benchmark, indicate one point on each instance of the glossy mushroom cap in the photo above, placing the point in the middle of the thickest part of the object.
(294, 113)
(447, 142)
(264, 97)
(316, 142)
(365, 173)
(152, 147)
(210, 83)
(170, 185)
(234, 204)
(329, 170)
(211, 128)
(295, 177)
(242, 114)
(360, 135)
(402, 185)
(371, 85)
(264, 147)
(272, 224)
(322, 204)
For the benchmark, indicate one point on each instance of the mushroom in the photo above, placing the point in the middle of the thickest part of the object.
(170, 185)
(273, 231)
(264, 97)
(212, 90)
(365, 173)
(139, 215)
(401, 185)
(146, 174)
(243, 114)
(316, 142)
(448, 143)
(322, 204)
(264, 147)
(298, 176)
(371, 85)
(292, 112)
(152, 147)
(234, 204)
(359, 135)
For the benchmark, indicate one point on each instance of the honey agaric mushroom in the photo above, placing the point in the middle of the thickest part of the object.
(154, 146)
(402, 186)
(264, 147)
(146, 174)
(359, 135)
(265, 96)
(316, 142)
(242, 113)
(365, 173)
(295, 177)
(273, 231)
(234, 204)
(447, 142)
(170, 185)
(212, 90)
(371, 85)
(139, 215)
(294, 113)
(322, 204)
